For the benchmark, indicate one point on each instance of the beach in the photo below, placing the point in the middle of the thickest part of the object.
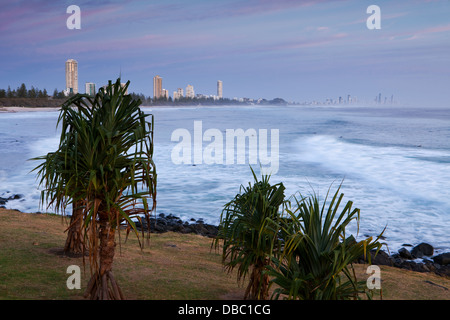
(27, 109)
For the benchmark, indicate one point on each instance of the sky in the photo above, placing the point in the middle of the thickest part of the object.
(296, 50)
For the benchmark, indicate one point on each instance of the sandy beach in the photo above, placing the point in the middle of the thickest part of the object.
(26, 109)
(50, 109)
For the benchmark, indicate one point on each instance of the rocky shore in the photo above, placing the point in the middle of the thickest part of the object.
(164, 223)
(3, 201)
(419, 258)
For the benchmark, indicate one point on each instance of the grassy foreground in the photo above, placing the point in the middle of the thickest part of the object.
(171, 267)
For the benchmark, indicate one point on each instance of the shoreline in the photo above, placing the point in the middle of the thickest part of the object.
(16, 109)
(420, 258)
(27, 109)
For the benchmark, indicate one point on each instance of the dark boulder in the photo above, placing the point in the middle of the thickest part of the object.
(405, 254)
(165, 223)
(3, 201)
(380, 258)
(442, 259)
(422, 249)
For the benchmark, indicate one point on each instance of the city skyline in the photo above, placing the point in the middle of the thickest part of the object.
(71, 76)
(295, 50)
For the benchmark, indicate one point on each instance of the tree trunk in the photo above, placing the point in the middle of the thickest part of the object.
(102, 285)
(258, 287)
(74, 242)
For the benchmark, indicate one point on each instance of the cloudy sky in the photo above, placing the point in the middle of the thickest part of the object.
(296, 50)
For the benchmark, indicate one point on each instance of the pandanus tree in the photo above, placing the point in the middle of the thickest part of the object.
(105, 164)
(55, 172)
(58, 174)
(249, 231)
(316, 261)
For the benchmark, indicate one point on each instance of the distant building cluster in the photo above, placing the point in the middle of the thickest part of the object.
(189, 93)
(386, 100)
(351, 100)
(72, 80)
(158, 91)
(341, 100)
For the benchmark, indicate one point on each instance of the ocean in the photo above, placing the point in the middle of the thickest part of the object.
(393, 161)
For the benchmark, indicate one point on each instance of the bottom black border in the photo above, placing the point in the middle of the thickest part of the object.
(222, 309)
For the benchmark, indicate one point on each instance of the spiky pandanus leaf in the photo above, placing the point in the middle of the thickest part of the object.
(317, 259)
(248, 229)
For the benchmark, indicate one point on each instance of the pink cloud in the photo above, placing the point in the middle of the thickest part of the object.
(314, 42)
(418, 34)
(105, 44)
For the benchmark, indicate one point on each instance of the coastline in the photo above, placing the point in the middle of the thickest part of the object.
(27, 109)
(392, 254)
(15, 109)
(419, 257)
(52, 109)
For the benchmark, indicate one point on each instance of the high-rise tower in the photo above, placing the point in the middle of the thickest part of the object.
(71, 76)
(219, 89)
(157, 87)
(190, 92)
(90, 88)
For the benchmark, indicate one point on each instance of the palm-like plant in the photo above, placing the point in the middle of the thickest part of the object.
(316, 262)
(248, 227)
(57, 175)
(105, 162)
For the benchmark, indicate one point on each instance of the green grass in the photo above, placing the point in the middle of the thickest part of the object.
(32, 268)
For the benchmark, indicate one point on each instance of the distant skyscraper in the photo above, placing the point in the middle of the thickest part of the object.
(178, 94)
(190, 92)
(71, 76)
(220, 89)
(157, 87)
(90, 88)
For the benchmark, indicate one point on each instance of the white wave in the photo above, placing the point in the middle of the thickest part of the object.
(398, 169)
(393, 186)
